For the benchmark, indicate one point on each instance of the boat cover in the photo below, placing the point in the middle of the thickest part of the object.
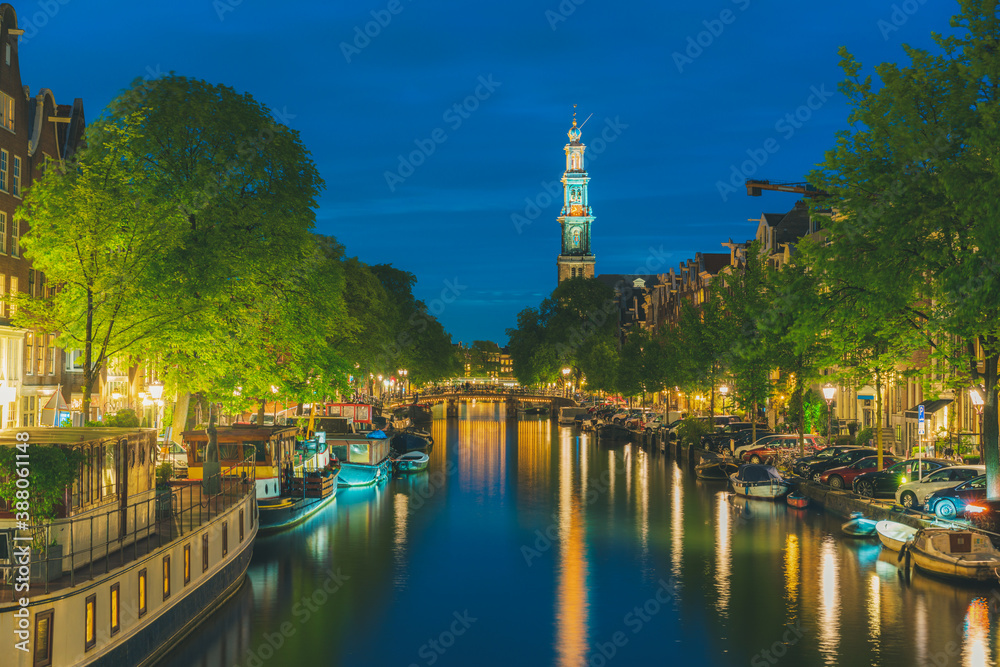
(378, 434)
(758, 472)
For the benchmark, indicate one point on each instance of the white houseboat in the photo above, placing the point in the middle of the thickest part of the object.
(126, 572)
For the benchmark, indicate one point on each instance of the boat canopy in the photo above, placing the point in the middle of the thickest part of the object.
(758, 472)
(380, 434)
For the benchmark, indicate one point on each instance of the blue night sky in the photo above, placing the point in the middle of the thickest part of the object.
(678, 127)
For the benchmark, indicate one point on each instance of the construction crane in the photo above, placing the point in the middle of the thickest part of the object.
(755, 187)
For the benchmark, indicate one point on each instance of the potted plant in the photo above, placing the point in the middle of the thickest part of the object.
(52, 470)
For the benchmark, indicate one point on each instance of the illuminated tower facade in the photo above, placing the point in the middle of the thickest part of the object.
(575, 260)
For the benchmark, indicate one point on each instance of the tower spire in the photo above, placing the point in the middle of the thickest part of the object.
(575, 260)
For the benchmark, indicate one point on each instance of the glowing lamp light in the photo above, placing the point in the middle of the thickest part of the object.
(976, 397)
(829, 391)
(156, 390)
(274, 389)
(565, 371)
(724, 390)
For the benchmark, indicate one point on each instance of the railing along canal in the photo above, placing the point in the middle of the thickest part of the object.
(150, 524)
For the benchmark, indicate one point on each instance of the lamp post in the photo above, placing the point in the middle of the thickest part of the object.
(565, 372)
(156, 392)
(977, 402)
(829, 391)
(724, 391)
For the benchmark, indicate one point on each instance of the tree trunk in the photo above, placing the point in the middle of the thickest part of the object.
(800, 420)
(990, 427)
(261, 412)
(88, 350)
(878, 415)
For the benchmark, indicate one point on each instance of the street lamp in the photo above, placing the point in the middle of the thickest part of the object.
(977, 402)
(565, 372)
(156, 392)
(829, 391)
(724, 390)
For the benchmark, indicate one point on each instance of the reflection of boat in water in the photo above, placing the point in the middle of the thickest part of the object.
(858, 526)
(956, 554)
(894, 535)
(613, 433)
(754, 509)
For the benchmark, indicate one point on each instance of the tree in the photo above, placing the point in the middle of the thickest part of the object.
(911, 182)
(485, 358)
(98, 236)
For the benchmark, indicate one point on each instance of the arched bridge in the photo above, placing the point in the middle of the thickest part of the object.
(514, 398)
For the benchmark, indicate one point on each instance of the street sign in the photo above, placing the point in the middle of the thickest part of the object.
(920, 419)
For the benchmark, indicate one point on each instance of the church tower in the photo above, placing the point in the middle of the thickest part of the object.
(575, 260)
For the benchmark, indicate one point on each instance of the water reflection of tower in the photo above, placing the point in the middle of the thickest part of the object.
(572, 604)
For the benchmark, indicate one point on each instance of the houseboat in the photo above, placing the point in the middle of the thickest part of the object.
(123, 573)
(364, 456)
(293, 479)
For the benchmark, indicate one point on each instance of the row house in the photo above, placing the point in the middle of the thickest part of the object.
(33, 128)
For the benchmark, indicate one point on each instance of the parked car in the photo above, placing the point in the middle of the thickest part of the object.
(722, 439)
(885, 482)
(914, 494)
(951, 503)
(769, 444)
(799, 465)
(815, 470)
(843, 477)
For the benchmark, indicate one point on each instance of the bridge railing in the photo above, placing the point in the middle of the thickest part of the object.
(442, 392)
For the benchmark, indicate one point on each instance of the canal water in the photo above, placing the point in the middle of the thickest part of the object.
(527, 543)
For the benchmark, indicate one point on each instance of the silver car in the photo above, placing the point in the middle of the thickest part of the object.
(176, 456)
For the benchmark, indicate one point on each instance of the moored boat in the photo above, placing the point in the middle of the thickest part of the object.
(411, 439)
(715, 469)
(957, 554)
(128, 573)
(858, 526)
(759, 480)
(364, 459)
(613, 433)
(412, 462)
(293, 479)
(893, 535)
(797, 500)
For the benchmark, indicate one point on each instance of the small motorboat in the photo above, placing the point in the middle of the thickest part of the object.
(715, 469)
(957, 554)
(858, 526)
(412, 462)
(613, 432)
(759, 480)
(797, 500)
(410, 439)
(893, 535)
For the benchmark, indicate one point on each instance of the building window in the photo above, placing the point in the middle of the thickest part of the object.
(15, 181)
(116, 620)
(187, 564)
(50, 356)
(204, 552)
(74, 360)
(3, 232)
(4, 158)
(43, 639)
(29, 350)
(13, 292)
(7, 111)
(166, 577)
(225, 538)
(40, 353)
(15, 238)
(142, 592)
(241, 525)
(90, 622)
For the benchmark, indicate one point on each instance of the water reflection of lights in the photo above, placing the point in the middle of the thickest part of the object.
(875, 611)
(401, 505)
(612, 463)
(482, 465)
(977, 632)
(723, 556)
(644, 503)
(920, 626)
(627, 453)
(829, 608)
(676, 525)
(572, 606)
(792, 567)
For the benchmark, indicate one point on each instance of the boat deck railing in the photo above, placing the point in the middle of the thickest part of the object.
(91, 546)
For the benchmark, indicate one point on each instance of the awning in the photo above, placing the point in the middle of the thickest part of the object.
(930, 407)
(866, 393)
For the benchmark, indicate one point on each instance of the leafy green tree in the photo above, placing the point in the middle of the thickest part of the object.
(53, 470)
(485, 358)
(911, 183)
(98, 235)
